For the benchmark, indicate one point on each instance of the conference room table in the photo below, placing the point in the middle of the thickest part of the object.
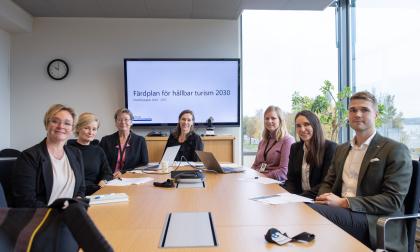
(240, 223)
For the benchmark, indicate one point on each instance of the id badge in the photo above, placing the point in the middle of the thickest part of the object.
(262, 167)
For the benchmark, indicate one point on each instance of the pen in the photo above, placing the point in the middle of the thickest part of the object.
(119, 178)
(255, 177)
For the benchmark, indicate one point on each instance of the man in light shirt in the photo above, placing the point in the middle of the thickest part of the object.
(369, 177)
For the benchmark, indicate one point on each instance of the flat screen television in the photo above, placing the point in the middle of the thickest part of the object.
(157, 90)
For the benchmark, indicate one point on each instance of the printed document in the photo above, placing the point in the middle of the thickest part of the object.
(282, 198)
(128, 181)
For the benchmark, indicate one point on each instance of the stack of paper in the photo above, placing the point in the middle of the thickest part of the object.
(261, 180)
(128, 181)
(282, 198)
(107, 198)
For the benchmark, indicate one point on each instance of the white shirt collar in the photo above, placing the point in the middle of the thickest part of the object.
(365, 143)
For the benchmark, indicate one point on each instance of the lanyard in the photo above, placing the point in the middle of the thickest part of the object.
(267, 150)
(122, 151)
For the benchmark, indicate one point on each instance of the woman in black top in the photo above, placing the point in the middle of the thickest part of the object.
(185, 136)
(124, 149)
(97, 170)
(309, 158)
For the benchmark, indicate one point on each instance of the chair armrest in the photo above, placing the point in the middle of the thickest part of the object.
(381, 223)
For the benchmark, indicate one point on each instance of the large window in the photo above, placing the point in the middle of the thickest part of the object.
(283, 52)
(387, 39)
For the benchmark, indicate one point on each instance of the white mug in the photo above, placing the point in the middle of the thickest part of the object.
(164, 165)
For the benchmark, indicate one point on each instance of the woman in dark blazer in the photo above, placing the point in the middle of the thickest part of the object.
(309, 158)
(50, 170)
(185, 136)
(124, 149)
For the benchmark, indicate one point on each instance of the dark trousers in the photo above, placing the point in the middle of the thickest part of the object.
(353, 223)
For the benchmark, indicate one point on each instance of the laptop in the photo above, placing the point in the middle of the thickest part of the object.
(169, 156)
(211, 163)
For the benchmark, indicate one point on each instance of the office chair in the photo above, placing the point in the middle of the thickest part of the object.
(411, 204)
(3, 202)
(94, 141)
(9, 153)
(6, 168)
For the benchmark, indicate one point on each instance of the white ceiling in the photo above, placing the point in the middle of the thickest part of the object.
(198, 9)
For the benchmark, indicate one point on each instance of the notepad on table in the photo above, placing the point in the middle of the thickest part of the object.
(107, 198)
(260, 180)
(128, 181)
(282, 198)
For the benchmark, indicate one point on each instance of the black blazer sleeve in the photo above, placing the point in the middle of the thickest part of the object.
(292, 184)
(144, 156)
(198, 146)
(136, 155)
(28, 182)
(198, 143)
(108, 144)
(315, 181)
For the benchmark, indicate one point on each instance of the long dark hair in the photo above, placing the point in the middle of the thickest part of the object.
(177, 131)
(316, 148)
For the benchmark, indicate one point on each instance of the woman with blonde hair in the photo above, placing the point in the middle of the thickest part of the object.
(273, 150)
(97, 170)
(50, 170)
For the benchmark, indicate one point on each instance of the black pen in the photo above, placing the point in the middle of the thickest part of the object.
(119, 178)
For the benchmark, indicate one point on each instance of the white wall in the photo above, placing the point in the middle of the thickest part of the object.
(4, 89)
(95, 49)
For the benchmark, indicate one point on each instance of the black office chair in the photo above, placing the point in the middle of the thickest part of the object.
(6, 168)
(411, 204)
(9, 153)
(3, 202)
(94, 141)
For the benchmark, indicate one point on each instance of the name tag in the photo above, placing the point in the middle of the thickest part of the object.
(262, 167)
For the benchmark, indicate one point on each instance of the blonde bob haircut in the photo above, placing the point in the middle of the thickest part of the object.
(54, 109)
(282, 129)
(85, 119)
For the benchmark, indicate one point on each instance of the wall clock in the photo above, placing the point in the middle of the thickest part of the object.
(58, 69)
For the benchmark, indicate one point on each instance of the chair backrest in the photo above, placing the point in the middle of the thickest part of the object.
(411, 204)
(9, 153)
(6, 168)
(3, 202)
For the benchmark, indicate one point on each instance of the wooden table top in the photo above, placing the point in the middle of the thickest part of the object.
(240, 223)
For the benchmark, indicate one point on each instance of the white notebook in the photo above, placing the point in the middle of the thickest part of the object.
(128, 181)
(107, 198)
